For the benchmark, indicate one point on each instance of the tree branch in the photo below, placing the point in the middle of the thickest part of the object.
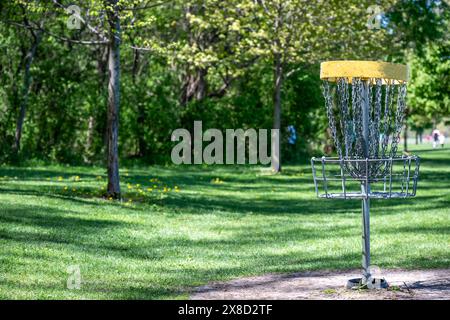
(91, 28)
(55, 35)
(148, 6)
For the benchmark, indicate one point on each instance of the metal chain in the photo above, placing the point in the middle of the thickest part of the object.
(375, 128)
(357, 96)
(342, 87)
(376, 119)
(345, 122)
(387, 110)
(355, 169)
(331, 120)
(399, 117)
(391, 116)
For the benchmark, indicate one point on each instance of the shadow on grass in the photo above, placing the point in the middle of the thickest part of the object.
(31, 174)
(180, 261)
(55, 193)
(272, 206)
(51, 218)
(88, 237)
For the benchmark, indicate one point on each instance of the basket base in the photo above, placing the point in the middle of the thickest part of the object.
(357, 283)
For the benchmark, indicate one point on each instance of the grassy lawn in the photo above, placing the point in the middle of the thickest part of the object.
(180, 227)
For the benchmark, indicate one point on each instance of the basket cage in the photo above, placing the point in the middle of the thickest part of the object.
(397, 177)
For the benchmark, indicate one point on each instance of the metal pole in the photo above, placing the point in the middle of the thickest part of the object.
(366, 234)
(365, 187)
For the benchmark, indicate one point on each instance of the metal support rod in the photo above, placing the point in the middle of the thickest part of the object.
(365, 186)
(365, 233)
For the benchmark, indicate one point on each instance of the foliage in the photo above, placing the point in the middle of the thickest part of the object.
(414, 24)
(428, 96)
(204, 60)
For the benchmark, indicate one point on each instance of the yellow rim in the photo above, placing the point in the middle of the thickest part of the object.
(388, 72)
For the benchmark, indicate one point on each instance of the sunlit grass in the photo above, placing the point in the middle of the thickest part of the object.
(179, 227)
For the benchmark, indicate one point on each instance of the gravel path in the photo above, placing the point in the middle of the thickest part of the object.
(404, 284)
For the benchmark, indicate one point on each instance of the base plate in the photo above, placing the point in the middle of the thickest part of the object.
(357, 283)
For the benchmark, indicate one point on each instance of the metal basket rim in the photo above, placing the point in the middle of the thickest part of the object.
(337, 159)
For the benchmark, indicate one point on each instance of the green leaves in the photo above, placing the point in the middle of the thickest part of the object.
(186, 60)
(428, 90)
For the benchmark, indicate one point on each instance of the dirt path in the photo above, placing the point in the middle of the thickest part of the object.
(404, 284)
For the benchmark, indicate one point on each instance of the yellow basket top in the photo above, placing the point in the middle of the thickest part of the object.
(388, 72)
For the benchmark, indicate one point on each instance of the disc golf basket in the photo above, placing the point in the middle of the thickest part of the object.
(365, 104)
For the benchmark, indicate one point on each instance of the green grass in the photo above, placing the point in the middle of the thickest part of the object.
(161, 244)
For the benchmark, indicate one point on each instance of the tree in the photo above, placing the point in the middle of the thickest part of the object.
(18, 14)
(414, 25)
(237, 63)
(428, 98)
(205, 41)
(292, 34)
(113, 12)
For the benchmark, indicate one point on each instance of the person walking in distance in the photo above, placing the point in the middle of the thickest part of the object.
(436, 133)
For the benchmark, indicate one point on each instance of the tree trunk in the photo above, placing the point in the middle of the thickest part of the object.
(194, 87)
(25, 93)
(140, 131)
(278, 82)
(201, 85)
(113, 188)
(89, 139)
(102, 57)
